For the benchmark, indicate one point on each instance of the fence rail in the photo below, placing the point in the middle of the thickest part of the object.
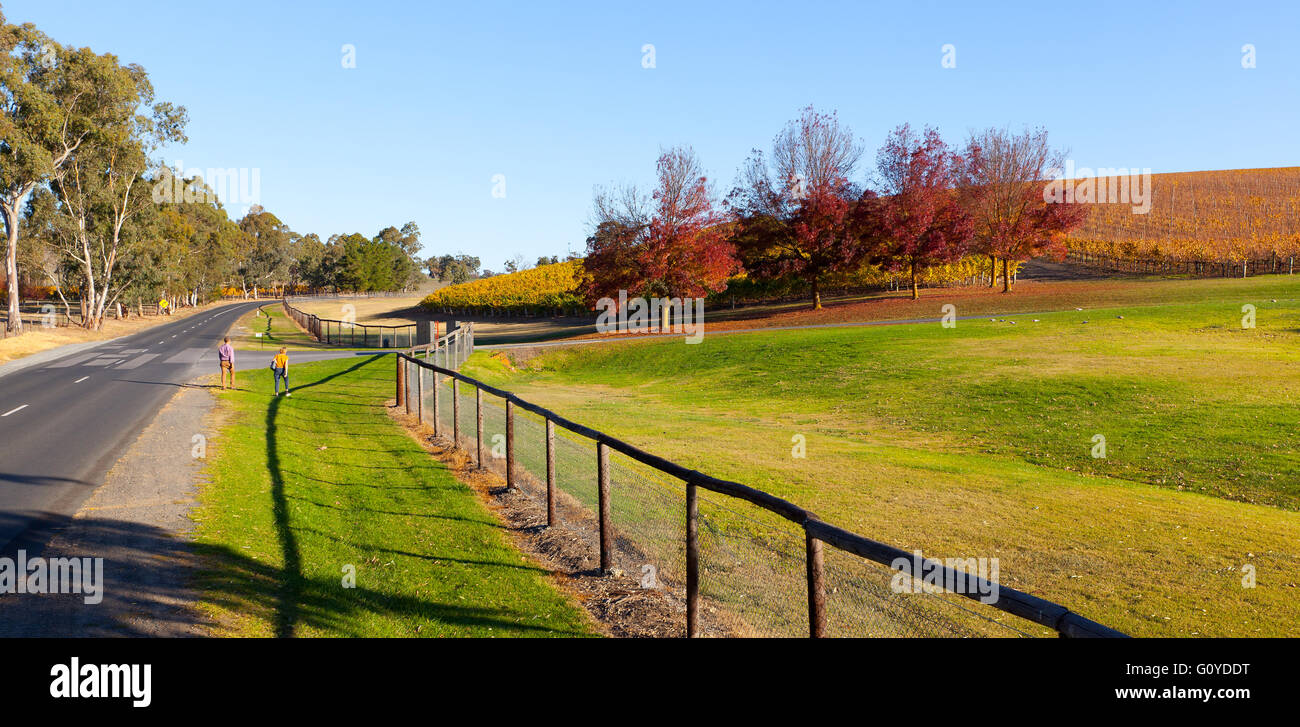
(348, 333)
(639, 522)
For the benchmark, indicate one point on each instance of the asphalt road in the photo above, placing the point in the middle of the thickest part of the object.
(65, 421)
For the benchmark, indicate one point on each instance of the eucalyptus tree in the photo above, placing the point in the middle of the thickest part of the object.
(104, 191)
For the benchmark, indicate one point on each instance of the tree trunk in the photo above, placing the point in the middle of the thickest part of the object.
(816, 293)
(15, 324)
(1006, 275)
(993, 270)
(915, 294)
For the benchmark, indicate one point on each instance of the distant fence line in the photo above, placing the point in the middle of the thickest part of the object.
(1200, 268)
(858, 597)
(345, 294)
(54, 314)
(348, 333)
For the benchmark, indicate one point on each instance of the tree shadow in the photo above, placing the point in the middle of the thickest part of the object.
(158, 584)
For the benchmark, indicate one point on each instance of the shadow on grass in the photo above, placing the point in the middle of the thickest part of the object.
(151, 580)
(156, 584)
(291, 582)
(325, 604)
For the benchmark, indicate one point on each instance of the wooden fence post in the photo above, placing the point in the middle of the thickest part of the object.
(510, 445)
(455, 412)
(550, 472)
(401, 375)
(692, 562)
(478, 413)
(419, 393)
(437, 414)
(407, 384)
(602, 495)
(816, 587)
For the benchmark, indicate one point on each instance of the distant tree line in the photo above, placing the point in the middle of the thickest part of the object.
(92, 215)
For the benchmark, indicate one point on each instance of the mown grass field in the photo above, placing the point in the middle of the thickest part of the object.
(303, 487)
(977, 441)
(276, 328)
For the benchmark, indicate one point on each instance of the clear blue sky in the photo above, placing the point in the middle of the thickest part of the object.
(446, 95)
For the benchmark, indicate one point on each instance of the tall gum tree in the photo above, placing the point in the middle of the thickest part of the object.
(40, 129)
(104, 193)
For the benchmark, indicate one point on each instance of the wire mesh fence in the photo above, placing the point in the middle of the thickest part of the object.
(348, 333)
(759, 568)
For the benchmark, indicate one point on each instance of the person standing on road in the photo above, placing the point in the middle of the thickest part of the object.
(280, 368)
(226, 353)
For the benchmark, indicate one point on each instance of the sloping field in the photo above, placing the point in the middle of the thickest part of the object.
(979, 441)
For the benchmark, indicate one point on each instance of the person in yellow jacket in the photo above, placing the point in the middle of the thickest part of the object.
(280, 369)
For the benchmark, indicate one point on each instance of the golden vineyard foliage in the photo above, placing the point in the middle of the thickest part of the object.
(545, 287)
(1222, 216)
(972, 270)
(549, 288)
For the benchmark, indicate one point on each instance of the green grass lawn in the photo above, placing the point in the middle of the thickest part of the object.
(978, 441)
(276, 328)
(304, 487)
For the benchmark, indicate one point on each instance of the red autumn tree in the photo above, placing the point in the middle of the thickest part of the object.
(672, 244)
(918, 215)
(612, 262)
(687, 251)
(1003, 179)
(796, 219)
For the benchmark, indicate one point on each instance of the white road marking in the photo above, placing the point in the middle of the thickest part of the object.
(83, 378)
(11, 411)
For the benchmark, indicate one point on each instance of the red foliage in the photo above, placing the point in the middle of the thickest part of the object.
(687, 251)
(1004, 191)
(919, 217)
(798, 220)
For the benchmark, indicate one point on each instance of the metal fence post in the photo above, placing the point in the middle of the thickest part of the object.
(510, 445)
(478, 428)
(408, 386)
(816, 587)
(692, 562)
(602, 495)
(550, 472)
(455, 412)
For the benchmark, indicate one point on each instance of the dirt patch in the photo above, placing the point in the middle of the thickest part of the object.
(569, 551)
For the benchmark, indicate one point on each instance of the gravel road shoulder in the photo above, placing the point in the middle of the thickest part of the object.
(138, 521)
